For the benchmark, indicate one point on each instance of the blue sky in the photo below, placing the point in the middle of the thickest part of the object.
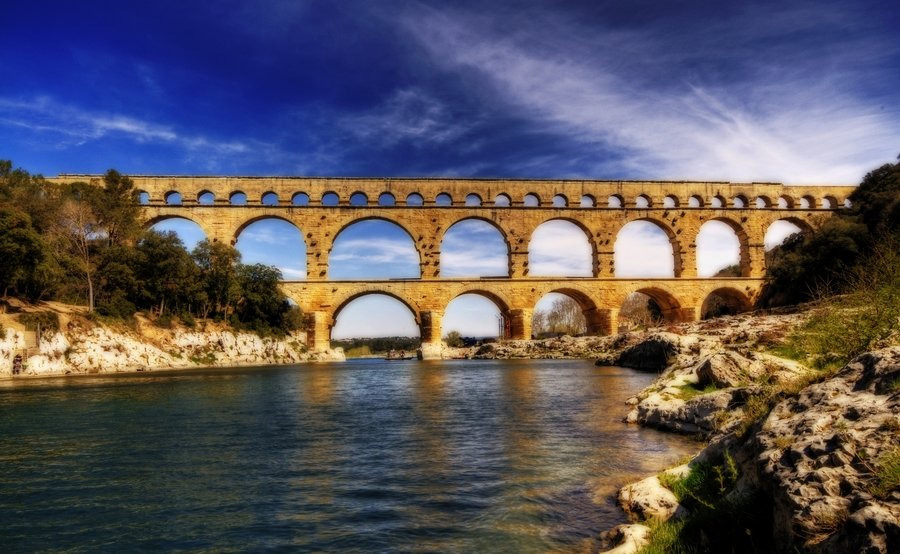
(786, 91)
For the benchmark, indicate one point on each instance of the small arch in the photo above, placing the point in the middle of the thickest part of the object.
(807, 202)
(785, 202)
(642, 202)
(670, 201)
(695, 201)
(724, 301)
(473, 200)
(615, 201)
(717, 202)
(560, 201)
(206, 198)
(269, 199)
(739, 201)
(415, 199)
(531, 200)
(561, 248)
(331, 199)
(588, 201)
(143, 197)
(353, 316)
(443, 199)
(762, 202)
(300, 199)
(502, 200)
(237, 198)
(173, 198)
(386, 199)
(359, 199)
(848, 203)
(829, 203)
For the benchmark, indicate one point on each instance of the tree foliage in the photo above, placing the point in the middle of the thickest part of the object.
(564, 317)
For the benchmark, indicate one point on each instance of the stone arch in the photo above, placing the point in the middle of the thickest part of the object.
(300, 199)
(762, 202)
(776, 232)
(670, 201)
(359, 199)
(596, 321)
(503, 326)
(743, 242)
(718, 201)
(415, 199)
(405, 305)
(643, 201)
(269, 198)
(500, 231)
(695, 201)
(256, 219)
(615, 201)
(386, 199)
(531, 200)
(724, 301)
(586, 233)
(383, 219)
(830, 202)
(807, 202)
(785, 202)
(342, 303)
(275, 241)
(172, 198)
(330, 198)
(237, 198)
(670, 307)
(206, 198)
(670, 235)
(174, 218)
(473, 200)
(142, 197)
(560, 201)
(502, 200)
(443, 199)
(740, 202)
(588, 201)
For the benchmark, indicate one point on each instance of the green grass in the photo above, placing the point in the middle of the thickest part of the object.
(690, 391)
(887, 474)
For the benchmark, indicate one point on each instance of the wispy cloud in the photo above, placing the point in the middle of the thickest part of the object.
(559, 248)
(808, 126)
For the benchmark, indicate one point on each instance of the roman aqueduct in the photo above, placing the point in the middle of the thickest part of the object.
(426, 208)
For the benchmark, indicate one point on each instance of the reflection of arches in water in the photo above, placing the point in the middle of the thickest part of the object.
(474, 248)
(273, 241)
(474, 314)
(560, 248)
(724, 301)
(644, 248)
(373, 249)
(353, 317)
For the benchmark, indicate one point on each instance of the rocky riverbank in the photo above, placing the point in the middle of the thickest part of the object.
(83, 346)
(809, 460)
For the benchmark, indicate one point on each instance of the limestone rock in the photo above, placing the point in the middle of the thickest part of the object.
(653, 354)
(648, 499)
(625, 539)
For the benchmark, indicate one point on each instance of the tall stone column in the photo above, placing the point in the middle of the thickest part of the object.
(318, 331)
(317, 248)
(430, 333)
(518, 264)
(686, 257)
(688, 313)
(520, 323)
(756, 254)
(601, 322)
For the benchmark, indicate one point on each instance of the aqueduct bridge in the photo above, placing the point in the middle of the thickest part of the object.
(426, 208)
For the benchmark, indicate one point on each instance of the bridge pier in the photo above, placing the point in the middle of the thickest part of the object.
(520, 323)
(602, 322)
(430, 333)
(318, 331)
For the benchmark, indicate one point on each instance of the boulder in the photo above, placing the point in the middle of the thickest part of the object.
(653, 354)
(649, 499)
(625, 539)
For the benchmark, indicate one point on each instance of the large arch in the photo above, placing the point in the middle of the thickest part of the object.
(189, 231)
(564, 249)
(670, 308)
(780, 229)
(380, 305)
(743, 243)
(484, 314)
(274, 241)
(378, 248)
(724, 301)
(719, 250)
(474, 247)
(595, 322)
(646, 248)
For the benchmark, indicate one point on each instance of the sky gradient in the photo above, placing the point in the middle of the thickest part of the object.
(788, 91)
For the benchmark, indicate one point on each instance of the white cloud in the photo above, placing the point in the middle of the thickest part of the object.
(559, 248)
(643, 250)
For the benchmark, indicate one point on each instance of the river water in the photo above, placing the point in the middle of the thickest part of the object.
(365, 456)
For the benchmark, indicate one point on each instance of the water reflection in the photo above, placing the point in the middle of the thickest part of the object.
(368, 455)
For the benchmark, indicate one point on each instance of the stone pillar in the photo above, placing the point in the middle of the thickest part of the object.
(601, 322)
(520, 323)
(756, 254)
(430, 333)
(688, 313)
(518, 264)
(686, 256)
(318, 331)
(316, 257)
(430, 260)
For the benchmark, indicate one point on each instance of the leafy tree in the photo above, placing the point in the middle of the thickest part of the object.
(218, 263)
(167, 275)
(21, 249)
(453, 339)
(73, 233)
(564, 317)
(262, 306)
(116, 208)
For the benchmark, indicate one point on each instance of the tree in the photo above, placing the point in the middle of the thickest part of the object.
(116, 208)
(563, 318)
(73, 233)
(218, 263)
(21, 249)
(168, 276)
(262, 307)
(453, 339)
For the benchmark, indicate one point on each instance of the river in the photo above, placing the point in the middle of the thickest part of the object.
(367, 455)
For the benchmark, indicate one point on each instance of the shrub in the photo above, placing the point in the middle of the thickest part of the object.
(887, 474)
(46, 321)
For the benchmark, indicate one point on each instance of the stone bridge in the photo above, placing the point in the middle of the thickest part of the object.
(426, 208)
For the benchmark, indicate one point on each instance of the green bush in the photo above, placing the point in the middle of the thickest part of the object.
(46, 321)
